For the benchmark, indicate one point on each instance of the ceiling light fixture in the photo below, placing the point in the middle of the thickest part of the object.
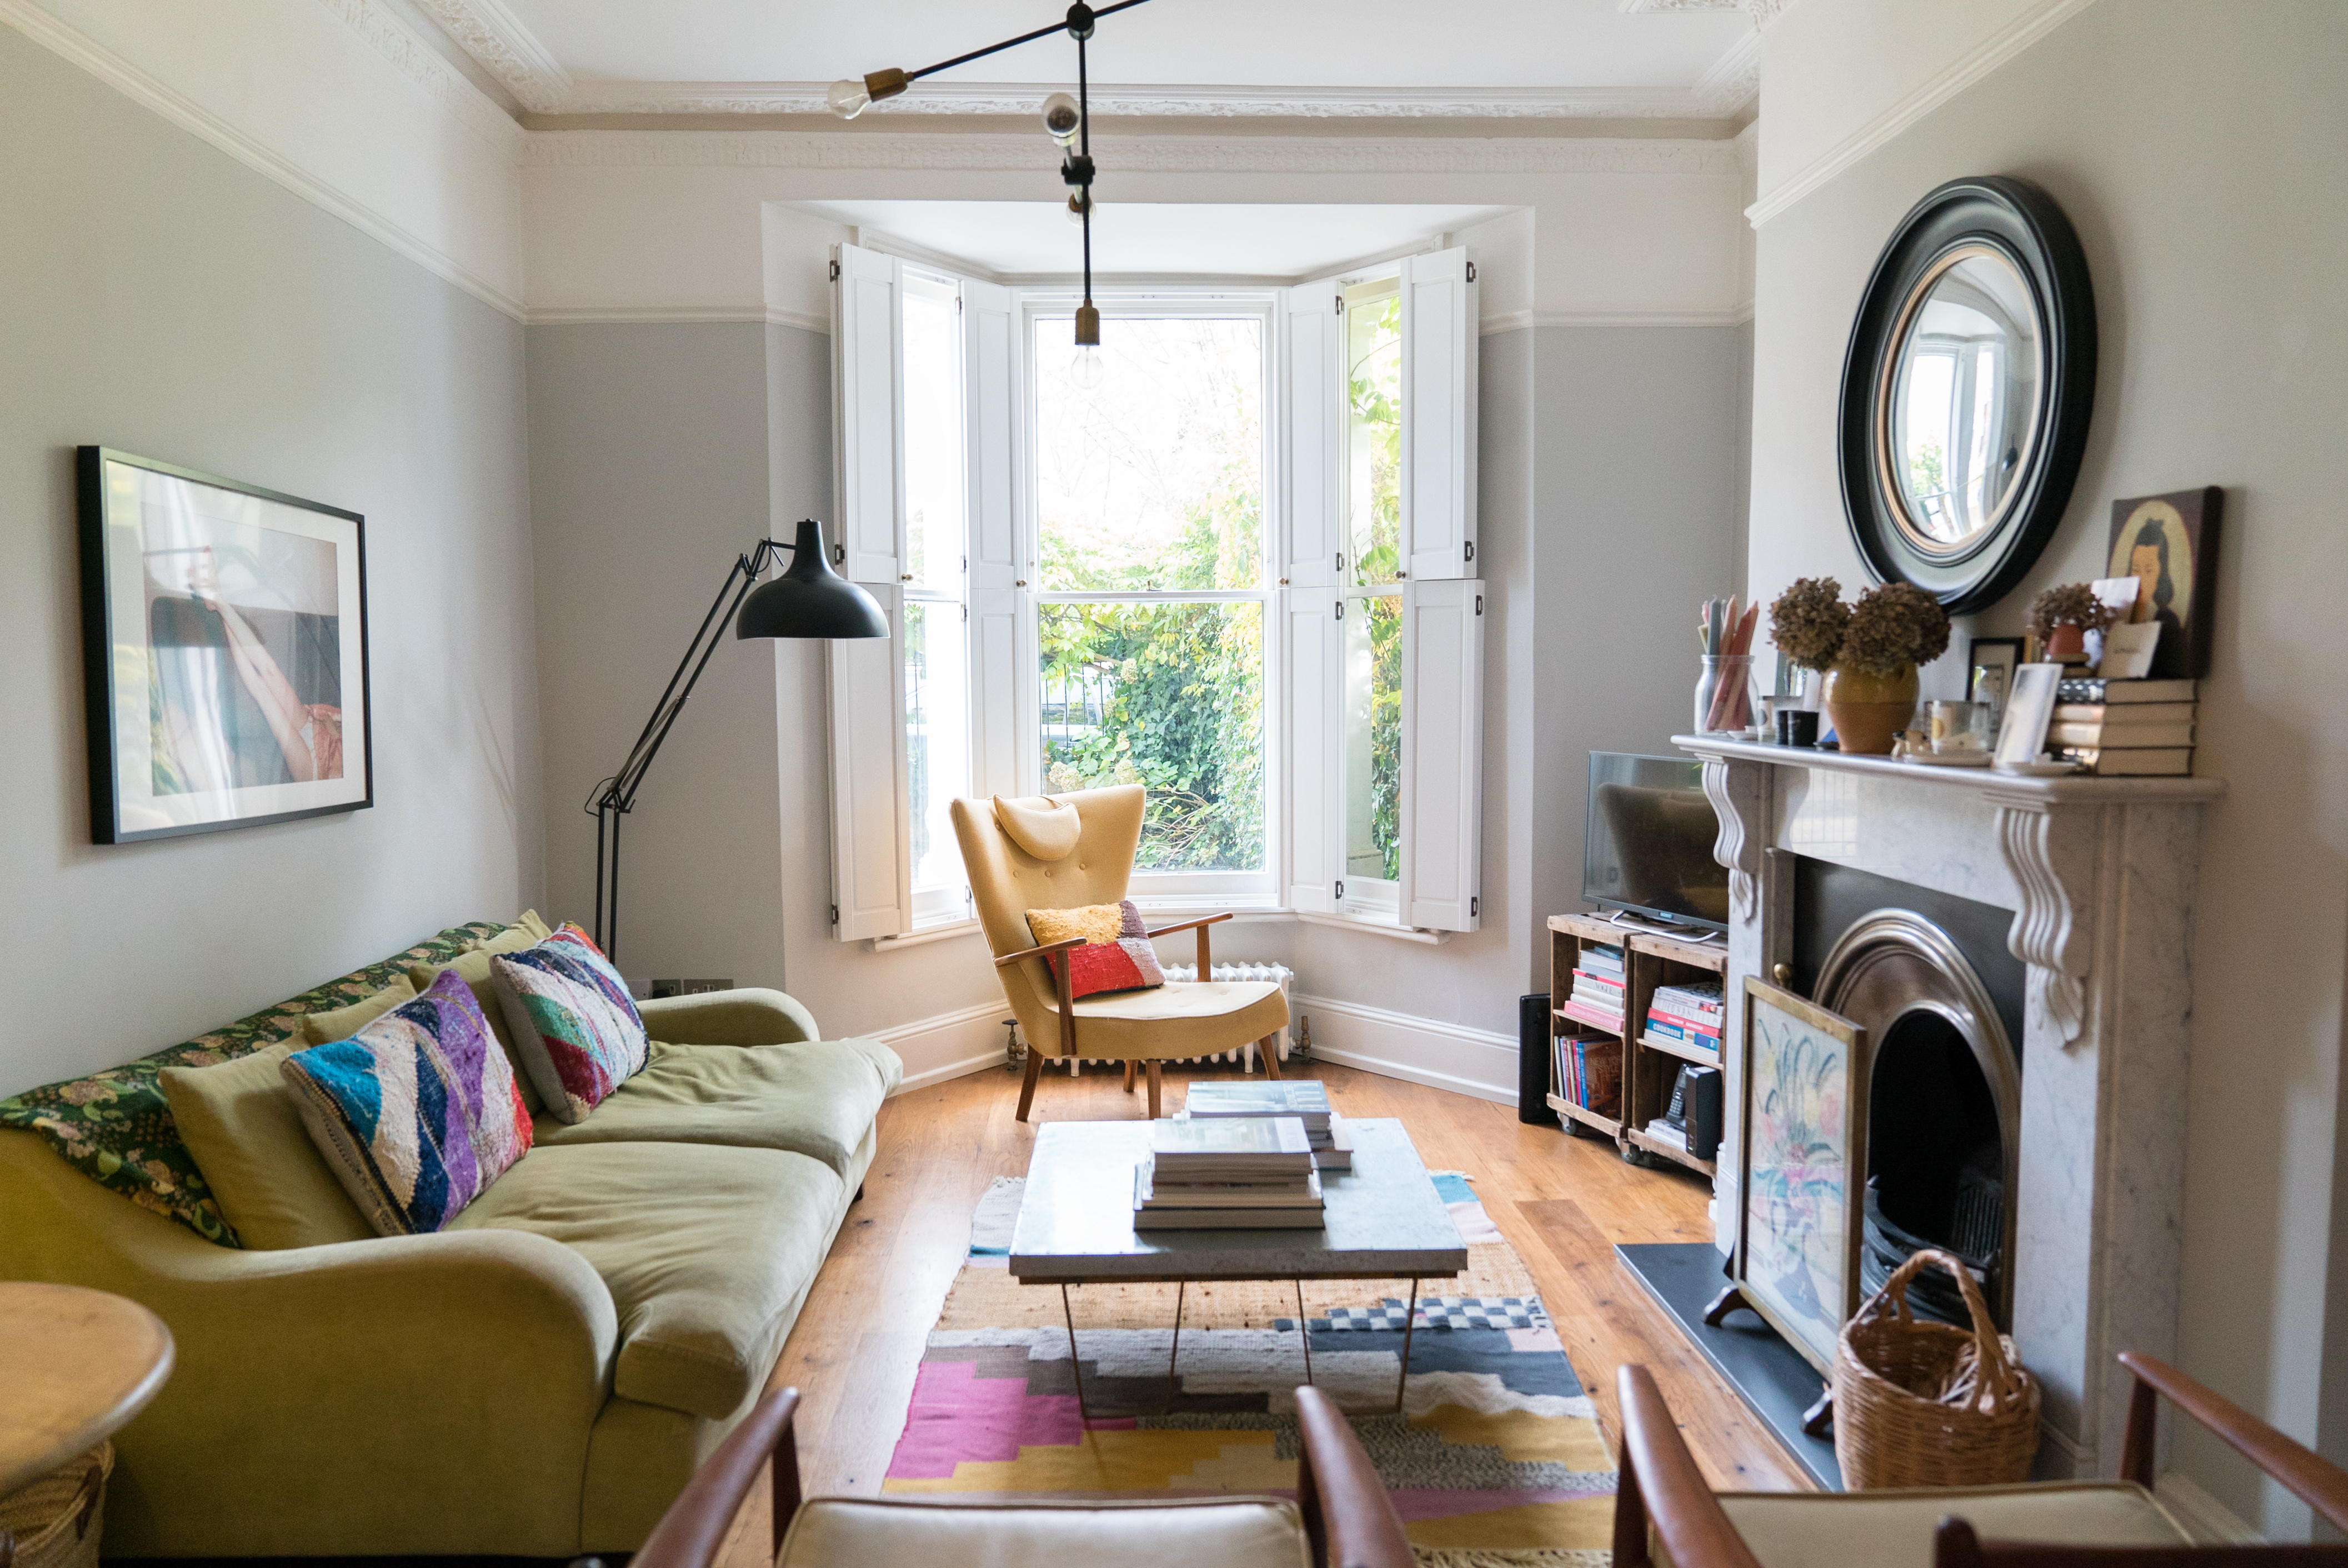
(1068, 120)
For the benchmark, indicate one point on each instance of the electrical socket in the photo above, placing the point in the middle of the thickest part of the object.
(667, 988)
(697, 987)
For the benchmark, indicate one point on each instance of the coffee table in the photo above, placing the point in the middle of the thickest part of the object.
(1384, 1219)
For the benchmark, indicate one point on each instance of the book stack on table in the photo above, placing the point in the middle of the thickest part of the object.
(2129, 729)
(1228, 1173)
(1303, 1098)
(1688, 1015)
(1597, 996)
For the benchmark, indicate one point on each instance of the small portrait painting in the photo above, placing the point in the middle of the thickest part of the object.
(2168, 543)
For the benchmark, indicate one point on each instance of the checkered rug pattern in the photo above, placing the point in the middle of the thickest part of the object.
(1495, 1461)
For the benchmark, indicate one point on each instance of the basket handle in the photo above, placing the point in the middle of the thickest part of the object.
(1997, 1373)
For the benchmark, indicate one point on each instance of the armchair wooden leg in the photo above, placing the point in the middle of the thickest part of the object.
(1027, 1083)
(1129, 1065)
(1153, 1090)
(1267, 1048)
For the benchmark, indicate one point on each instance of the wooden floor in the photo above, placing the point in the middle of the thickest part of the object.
(1562, 1202)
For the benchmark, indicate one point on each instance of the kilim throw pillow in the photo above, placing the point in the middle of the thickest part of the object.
(575, 1026)
(1116, 954)
(416, 1113)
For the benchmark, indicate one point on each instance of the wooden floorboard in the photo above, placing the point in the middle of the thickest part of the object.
(1562, 1202)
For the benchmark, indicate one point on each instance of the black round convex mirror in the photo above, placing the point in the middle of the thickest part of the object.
(1966, 390)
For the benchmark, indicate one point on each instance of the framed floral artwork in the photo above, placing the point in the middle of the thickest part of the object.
(1800, 1170)
(224, 646)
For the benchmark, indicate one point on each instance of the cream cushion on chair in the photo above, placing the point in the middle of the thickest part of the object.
(1179, 1020)
(1223, 1532)
(1894, 1529)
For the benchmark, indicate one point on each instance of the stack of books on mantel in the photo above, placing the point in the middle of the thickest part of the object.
(1228, 1173)
(1688, 1015)
(2139, 727)
(1303, 1098)
(1597, 998)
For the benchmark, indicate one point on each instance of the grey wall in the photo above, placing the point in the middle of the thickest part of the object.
(2201, 149)
(163, 298)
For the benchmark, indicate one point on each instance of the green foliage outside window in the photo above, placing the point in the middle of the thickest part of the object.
(1374, 403)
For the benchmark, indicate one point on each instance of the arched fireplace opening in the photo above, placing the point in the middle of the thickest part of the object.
(1942, 1087)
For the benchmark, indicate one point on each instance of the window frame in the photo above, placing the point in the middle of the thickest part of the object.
(1258, 888)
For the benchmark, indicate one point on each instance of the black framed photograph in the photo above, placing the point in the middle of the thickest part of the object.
(1990, 663)
(225, 644)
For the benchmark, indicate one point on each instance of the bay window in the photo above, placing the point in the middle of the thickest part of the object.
(1234, 564)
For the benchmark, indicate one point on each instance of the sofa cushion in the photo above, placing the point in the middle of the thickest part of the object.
(472, 967)
(239, 1121)
(706, 1252)
(1172, 1533)
(573, 1021)
(341, 1023)
(416, 1113)
(814, 1099)
(1894, 1529)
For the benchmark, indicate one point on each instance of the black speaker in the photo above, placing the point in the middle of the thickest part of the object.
(1701, 1089)
(1532, 1060)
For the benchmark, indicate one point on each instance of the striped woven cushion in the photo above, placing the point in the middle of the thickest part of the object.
(574, 1026)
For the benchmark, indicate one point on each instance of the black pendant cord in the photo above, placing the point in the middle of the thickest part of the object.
(1085, 148)
(1015, 43)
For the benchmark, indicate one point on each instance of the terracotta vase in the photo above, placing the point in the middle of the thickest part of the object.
(1869, 710)
(2067, 645)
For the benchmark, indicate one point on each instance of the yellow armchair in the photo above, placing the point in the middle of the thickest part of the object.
(1025, 854)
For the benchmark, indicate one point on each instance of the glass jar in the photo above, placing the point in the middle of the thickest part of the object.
(1724, 673)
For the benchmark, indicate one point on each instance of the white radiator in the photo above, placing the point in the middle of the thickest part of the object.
(1183, 974)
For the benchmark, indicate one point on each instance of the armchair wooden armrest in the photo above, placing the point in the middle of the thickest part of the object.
(1200, 924)
(693, 1530)
(2313, 1480)
(1658, 1478)
(1347, 1516)
(1044, 952)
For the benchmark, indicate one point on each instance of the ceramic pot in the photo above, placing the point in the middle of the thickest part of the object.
(2067, 645)
(1869, 710)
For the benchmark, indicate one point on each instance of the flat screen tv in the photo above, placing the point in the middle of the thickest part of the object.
(1647, 847)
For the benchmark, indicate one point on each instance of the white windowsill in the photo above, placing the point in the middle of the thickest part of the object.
(1155, 910)
(926, 933)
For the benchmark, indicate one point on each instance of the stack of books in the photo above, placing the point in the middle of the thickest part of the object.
(1303, 1098)
(1688, 1015)
(1597, 996)
(1228, 1173)
(1589, 1073)
(2124, 727)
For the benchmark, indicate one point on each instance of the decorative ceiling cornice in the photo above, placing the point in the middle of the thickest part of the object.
(1148, 155)
(495, 36)
(1706, 101)
(384, 31)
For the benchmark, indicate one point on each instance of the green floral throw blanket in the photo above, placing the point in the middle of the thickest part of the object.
(115, 1127)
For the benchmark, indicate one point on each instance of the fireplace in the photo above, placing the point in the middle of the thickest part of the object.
(2019, 952)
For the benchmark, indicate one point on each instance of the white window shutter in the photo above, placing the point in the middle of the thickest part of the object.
(1312, 532)
(1001, 693)
(1311, 750)
(872, 854)
(990, 372)
(869, 413)
(1438, 414)
(1442, 753)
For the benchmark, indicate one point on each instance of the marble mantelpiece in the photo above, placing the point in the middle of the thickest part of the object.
(2100, 874)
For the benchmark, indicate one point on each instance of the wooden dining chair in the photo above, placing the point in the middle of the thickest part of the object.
(1342, 1517)
(1660, 1501)
(1067, 852)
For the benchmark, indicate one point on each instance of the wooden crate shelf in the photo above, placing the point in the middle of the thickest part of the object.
(1649, 1062)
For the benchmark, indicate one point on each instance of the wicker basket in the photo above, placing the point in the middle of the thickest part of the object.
(56, 1520)
(1929, 1404)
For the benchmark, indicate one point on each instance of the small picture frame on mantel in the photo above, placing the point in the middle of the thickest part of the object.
(1990, 663)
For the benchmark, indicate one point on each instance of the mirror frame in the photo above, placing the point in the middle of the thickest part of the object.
(2025, 225)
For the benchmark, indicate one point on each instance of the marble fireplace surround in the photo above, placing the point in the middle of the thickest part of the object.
(2100, 875)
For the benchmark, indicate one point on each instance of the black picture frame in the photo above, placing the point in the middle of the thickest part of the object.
(2019, 221)
(263, 596)
(2014, 650)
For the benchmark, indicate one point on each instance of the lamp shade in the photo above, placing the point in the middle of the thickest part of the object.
(810, 600)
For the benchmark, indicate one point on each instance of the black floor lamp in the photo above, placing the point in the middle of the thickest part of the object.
(808, 600)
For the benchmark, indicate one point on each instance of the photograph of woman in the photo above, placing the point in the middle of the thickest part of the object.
(2169, 544)
(243, 695)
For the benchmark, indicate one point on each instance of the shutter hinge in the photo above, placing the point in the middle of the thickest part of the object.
(840, 554)
(1472, 903)
(965, 612)
(1480, 603)
(1341, 890)
(1471, 271)
(1341, 560)
(1341, 609)
(835, 914)
(1471, 550)
(835, 278)
(1341, 304)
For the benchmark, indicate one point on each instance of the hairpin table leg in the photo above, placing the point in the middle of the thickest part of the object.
(1175, 1348)
(1076, 1367)
(1409, 1316)
(1304, 1330)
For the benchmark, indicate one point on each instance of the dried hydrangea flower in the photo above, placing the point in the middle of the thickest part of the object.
(1894, 627)
(1806, 621)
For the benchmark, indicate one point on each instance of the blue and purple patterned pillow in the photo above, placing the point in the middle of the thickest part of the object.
(416, 1113)
(575, 1029)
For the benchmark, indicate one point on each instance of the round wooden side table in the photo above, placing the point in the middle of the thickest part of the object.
(74, 1365)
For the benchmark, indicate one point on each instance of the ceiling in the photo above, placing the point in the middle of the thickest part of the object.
(1688, 59)
(1035, 239)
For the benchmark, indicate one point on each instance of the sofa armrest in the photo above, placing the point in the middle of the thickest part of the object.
(750, 1015)
(407, 1394)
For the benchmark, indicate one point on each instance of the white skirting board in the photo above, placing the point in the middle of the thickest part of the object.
(949, 1044)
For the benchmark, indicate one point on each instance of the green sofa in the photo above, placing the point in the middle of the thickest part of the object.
(540, 1378)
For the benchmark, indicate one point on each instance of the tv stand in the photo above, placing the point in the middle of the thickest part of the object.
(1649, 958)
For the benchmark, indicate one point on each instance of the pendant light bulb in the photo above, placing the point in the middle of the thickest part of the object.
(1080, 206)
(1086, 370)
(849, 98)
(1063, 118)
